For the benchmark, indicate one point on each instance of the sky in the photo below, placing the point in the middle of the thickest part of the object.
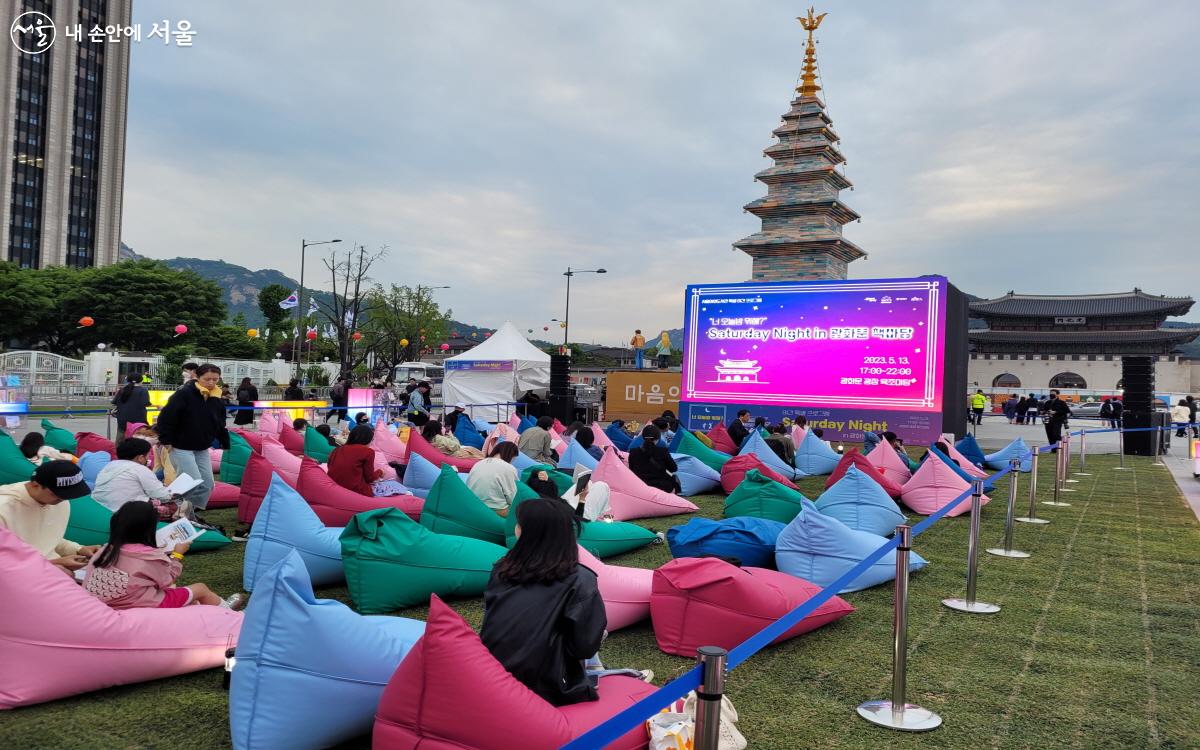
(1047, 148)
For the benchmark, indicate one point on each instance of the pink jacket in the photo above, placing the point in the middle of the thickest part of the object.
(137, 579)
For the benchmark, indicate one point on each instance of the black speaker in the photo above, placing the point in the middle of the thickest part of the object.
(560, 375)
(562, 408)
(1137, 374)
(1142, 443)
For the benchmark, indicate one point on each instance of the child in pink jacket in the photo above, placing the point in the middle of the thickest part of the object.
(130, 571)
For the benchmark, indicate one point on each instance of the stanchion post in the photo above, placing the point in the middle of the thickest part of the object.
(108, 426)
(1058, 483)
(1033, 483)
(969, 604)
(1083, 472)
(1066, 471)
(898, 713)
(1156, 433)
(1121, 447)
(1007, 550)
(708, 703)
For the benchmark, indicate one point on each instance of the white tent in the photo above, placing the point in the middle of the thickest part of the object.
(497, 371)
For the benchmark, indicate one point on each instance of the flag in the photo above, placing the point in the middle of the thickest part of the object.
(312, 306)
(348, 318)
(293, 300)
(330, 331)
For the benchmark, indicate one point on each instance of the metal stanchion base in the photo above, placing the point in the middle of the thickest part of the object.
(1079, 474)
(1068, 489)
(1001, 552)
(975, 608)
(1073, 481)
(912, 719)
(1055, 504)
(1026, 519)
(1122, 468)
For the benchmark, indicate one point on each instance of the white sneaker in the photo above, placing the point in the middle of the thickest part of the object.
(234, 602)
(647, 675)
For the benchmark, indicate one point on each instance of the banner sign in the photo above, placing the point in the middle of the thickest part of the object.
(480, 365)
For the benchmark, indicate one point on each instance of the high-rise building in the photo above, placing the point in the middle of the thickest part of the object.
(62, 126)
(802, 214)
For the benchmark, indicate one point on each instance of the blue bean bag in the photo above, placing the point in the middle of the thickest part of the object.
(91, 464)
(464, 430)
(619, 437)
(814, 456)
(574, 455)
(756, 446)
(526, 423)
(1016, 449)
(971, 450)
(750, 540)
(861, 503)
(523, 462)
(820, 548)
(637, 441)
(421, 474)
(309, 672)
(695, 476)
(286, 523)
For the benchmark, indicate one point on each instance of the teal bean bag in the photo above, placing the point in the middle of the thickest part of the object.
(14, 467)
(562, 480)
(233, 461)
(392, 562)
(690, 445)
(601, 538)
(451, 508)
(762, 497)
(58, 438)
(90, 521)
(316, 446)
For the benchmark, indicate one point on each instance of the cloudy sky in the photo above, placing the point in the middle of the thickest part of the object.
(1042, 147)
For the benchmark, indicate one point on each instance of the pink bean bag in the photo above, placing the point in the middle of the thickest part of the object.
(630, 497)
(625, 591)
(734, 471)
(964, 463)
(934, 485)
(214, 456)
(66, 641)
(514, 421)
(708, 602)
(798, 434)
(90, 442)
(291, 440)
(884, 459)
(421, 447)
(392, 447)
(719, 435)
(268, 423)
(450, 693)
(853, 457)
(381, 464)
(255, 481)
(335, 505)
(286, 464)
(499, 434)
(224, 495)
(604, 442)
(255, 439)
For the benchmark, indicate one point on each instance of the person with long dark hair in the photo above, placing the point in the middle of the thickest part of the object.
(652, 463)
(191, 424)
(587, 440)
(247, 394)
(293, 392)
(129, 406)
(131, 571)
(494, 479)
(543, 617)
(353, 466)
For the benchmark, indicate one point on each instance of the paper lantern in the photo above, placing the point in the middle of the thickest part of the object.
(403, 342)
(180, 329)
(87, 321)
(356, 336)
(487, 335)
(444, 347)
(311, 335)
(545, 328)
(252, 333)
(454, 333)
(562, 325)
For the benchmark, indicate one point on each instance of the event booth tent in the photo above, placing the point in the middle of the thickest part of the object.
(497, 371)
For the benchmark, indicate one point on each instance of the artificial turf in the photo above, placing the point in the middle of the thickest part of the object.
(1097, 644)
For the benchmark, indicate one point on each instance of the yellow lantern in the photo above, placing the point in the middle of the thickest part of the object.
(252, 333)
(403, 342)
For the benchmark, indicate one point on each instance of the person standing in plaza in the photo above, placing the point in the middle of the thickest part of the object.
(638, 342)
(978, 404)
(1031, 409)
(190, 424)
(1192, 405)
(1118, 410)
(247, 394)
(1057, 412)
(129, 406)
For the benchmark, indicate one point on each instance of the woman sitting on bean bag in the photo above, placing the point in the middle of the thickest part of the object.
(587, 440)
(447, 443)
(652, 463)
(353, 466)
(494, 479)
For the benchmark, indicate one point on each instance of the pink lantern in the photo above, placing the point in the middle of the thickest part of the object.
(445, 347)
(180, 329)
(356, 336)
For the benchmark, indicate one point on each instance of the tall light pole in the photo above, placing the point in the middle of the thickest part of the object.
(300, 311)
(567, 313)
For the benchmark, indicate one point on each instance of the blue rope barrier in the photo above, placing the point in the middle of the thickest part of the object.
(603, 734)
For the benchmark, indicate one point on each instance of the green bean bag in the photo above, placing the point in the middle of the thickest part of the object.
(14, 467)
(393, 562)
(233, 461)
(562, 480)
(690, 445)
(762, 497)
(316, 446)
(90, 521)
(601, 538)
(58, 438)
(451, 508)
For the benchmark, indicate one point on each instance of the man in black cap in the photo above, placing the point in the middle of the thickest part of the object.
(36, 513)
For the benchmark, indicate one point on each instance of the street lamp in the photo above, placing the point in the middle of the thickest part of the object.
(567, 313)
(304, 245)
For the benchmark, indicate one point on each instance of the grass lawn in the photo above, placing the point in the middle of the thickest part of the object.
(1097, 645)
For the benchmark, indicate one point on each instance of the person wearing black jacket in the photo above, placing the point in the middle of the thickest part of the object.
(1057, 412)
(190, 424)
(652, 463)
(247, 394)
(1118, 409)
(738, 429)
(293, 392)
(543, 617)
(130, 402)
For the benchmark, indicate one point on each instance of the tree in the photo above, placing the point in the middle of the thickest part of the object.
(398, 313)
(277, 320)
(229, 342)
(347, 307)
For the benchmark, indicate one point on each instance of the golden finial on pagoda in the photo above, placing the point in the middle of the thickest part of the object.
(808, 78)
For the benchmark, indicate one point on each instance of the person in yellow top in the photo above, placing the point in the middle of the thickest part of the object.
(978, 404)
(36, 513)
(638, 342)
(664, 350)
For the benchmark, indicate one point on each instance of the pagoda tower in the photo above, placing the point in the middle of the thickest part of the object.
(802, 215)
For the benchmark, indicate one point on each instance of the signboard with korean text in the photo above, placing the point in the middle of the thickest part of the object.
(640, 394)
(480, 365)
